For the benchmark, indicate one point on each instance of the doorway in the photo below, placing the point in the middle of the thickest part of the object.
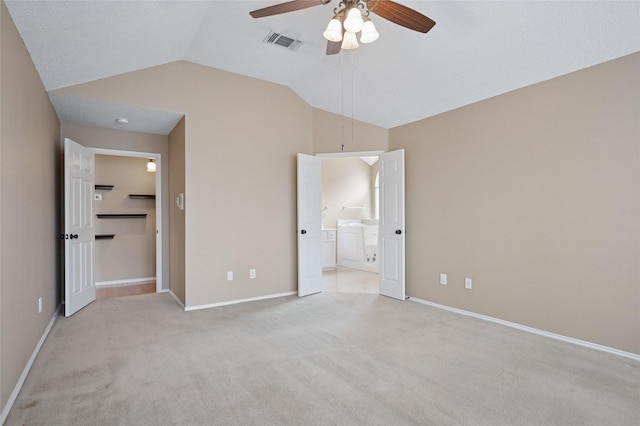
(350, 224)
(128, 252)
(391, 237)
(80, 192)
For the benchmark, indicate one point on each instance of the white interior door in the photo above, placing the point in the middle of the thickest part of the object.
(79, 234)
(392, 225)
(309, 225)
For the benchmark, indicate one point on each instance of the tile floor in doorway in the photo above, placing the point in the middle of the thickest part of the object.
(347, 280)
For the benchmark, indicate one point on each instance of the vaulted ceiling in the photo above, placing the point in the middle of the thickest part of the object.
(478, 49)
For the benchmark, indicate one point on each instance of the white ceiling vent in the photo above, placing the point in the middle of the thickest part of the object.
(277, 39)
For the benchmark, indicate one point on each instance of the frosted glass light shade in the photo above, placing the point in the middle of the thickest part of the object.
(349, 41)
(369, 33)
(151, 165)
(354, 20)
(333, 31)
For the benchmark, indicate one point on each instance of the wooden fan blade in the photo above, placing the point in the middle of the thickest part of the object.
(401, 15)
(333, 47)
(289, 6)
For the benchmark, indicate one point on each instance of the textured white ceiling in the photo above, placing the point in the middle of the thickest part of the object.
(93, 113)
(477, 49)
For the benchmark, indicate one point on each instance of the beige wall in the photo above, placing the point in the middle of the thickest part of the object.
(345, 182)
(29, 193)
(535, 195)
(331, 131)
(131, 254)
(177, 216)
(242, 136)
(135, 142)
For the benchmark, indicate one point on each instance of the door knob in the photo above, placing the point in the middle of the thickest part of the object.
(304, 231)
(398, 231)
(74, 236)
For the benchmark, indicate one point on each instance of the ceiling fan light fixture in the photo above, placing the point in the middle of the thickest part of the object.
(354, 20)
(353, 14)
(349, 41)
(333, 31)
(369, 33)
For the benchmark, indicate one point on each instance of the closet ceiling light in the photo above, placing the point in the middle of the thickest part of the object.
(151, 165)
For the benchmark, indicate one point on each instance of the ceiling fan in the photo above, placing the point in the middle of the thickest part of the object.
(351, 17)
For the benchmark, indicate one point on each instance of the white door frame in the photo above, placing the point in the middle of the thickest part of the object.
(159, 229)
(350, 154)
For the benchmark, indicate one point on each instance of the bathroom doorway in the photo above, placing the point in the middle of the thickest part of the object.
(391, 238)
(350, 224)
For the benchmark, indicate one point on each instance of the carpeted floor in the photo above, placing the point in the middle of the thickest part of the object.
(327, 359)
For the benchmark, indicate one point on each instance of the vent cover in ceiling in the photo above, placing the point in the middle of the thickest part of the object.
(277, 39)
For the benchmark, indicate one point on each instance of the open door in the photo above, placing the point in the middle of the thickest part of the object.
(392, 225)
(79, 233)
(309, 225)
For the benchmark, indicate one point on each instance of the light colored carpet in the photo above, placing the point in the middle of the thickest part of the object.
(327, 359)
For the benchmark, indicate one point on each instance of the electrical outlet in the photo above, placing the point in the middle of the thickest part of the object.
(467, 283)
(40, 305)
(252, 273)
(230, 276)
(443, 279)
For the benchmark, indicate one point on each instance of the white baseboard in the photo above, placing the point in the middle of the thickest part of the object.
(233, 302)
(131, 281)
(532, 330)
(25, 372)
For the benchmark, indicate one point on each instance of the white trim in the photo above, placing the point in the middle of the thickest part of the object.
(131, 281)
(27, 368)
(158, 157)
(233, 302)
(532, 330)
(176, 298)
(350, 154)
